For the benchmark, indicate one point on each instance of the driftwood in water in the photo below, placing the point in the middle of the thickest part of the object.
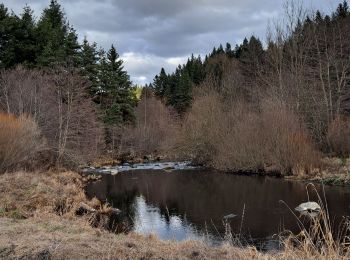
(101, 218)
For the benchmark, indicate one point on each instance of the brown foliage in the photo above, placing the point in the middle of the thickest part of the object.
(154, 131)
(339, 136)
(19, 140)
(241, 137)
(58, 102)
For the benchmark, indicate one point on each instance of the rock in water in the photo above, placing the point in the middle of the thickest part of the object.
(311, 209)
(114, 171)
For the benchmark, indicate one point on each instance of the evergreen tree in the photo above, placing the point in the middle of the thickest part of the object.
(342, 10)
(195, 69)
(220, 49)
(160, 83)
(27, 47)
(5, 37)
(179, 91)
(88, 60)
(229, 52)
(241, 49)
(252, 53)
(117, 99)
(72, 48)
(182, 98)
(57, 40)
(318, 17)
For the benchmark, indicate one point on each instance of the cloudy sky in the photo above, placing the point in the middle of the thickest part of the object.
(150, 34)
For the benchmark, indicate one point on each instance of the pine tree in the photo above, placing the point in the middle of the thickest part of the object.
(342, 10)
(118, 101)
(183, 94)
(318, 17)
(57, 40)
(160, 84)
(241, 49)
(195, 69)
(5, 37)
(72, 48)
(27, 43)
(229, 52)
(88, 60)
(220, 49)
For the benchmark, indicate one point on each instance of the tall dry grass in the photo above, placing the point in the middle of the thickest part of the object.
(320, 239)
(20, 140)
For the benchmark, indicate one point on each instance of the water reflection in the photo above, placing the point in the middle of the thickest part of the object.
(191, 204)
(148, 219)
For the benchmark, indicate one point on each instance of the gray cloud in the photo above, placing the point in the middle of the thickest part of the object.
(151, 34)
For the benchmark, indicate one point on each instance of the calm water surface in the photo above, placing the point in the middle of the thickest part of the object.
(191, 204)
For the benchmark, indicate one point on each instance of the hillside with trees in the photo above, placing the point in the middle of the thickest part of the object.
(74, 131)
(291, 93)
(75, 92)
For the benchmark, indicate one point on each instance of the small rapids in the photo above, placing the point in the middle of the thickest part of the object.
(166, 166)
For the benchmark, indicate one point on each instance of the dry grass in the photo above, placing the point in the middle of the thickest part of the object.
(62, 238)
(319, 240)
(32, 227)
(30, 194)
(69, 239)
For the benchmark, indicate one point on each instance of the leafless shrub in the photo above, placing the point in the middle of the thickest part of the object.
(154, 131)
(58, 102)
(19, 140)
(339, 136)
(200, 133)
(242, 137)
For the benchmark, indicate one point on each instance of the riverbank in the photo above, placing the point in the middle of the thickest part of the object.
(331, 170)
(334, 171)
(38, 220)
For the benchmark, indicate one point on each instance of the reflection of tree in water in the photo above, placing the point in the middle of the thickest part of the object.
(203, 198)
(123, 201)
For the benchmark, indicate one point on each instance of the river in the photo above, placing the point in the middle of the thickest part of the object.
(192, 204)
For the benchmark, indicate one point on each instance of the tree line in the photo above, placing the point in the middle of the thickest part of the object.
(51, 42)
(304, 64)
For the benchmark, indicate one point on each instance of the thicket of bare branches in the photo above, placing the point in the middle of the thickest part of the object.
(57, 102)
(308, 66)
(20, 140)
(240, 136)
(154, 131)
(339, 136)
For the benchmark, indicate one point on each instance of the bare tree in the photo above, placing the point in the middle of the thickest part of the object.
(59, 103)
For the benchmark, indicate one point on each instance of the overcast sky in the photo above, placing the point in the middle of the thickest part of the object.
(150, 34)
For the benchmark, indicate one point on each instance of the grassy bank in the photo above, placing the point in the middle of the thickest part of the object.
(38, 221)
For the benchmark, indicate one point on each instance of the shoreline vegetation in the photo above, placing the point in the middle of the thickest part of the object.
(335, 171)
(282, 108)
